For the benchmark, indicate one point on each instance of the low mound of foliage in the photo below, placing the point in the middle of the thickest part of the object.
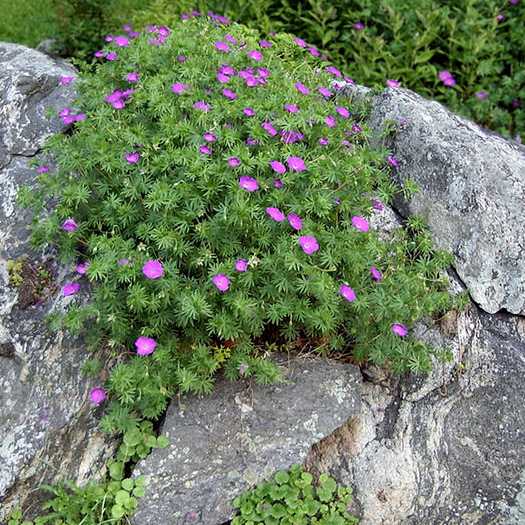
(216, 195)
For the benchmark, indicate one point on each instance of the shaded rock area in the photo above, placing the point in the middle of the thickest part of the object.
(225, 443)
(472, 194)
(48, 431)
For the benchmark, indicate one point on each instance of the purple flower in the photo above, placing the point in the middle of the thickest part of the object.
(133, 157)
(514, 2)
(330, 121)
(202, 106)
(226, 69)
(278, 167)
(295, 163)
(123, 262)
(121, 41)
(314, 51)
(222, 78)
(360, 223)
(132, 77)
(153, 269)
(268, 127)
(82, 267)
(255, 55)
(249, 112)
(334, 71)
(309, 244)
(392, 160)
(99, 54)
(393, 83)
(42, 169)
(377, 205)
(248, 183)
(447, 78)
(278, 183)
(500, 18)
(356, 128)
(145, 345)
(343, 111)
(179, 88)
(223, 47)
(209, 137)
(70, 289)
(376, 274)
(250, 141)
(97, 395)
(112, 56)
(290, 137)
(276, 214)
(302, 88)
(399, 329)
(221, 282)
(347, 293)
(69, 225)
(65, 80)
(295, 221)
(230, 39)
(181, 58)
(229, 94)
(265, 44)
(291, 108)
(300, 42)
(241, 265)
(481, 95)
(323, 141)
(205, 150)
(325, 92)
(358, 26)
(233, 162)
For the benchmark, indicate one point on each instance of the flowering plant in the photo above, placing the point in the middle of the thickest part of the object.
(216, 194)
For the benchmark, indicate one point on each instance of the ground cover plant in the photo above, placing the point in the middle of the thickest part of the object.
(214, 195)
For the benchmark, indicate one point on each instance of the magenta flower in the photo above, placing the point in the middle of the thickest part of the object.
(263, 72)
(65, 80)
(145, 345)
(205, 150)
(233, 162)
(230, 39)
(295, 163)
(360, 223)
(82, 267)
(229, 94)
(179, 88)
(70, 289)
(481, 95)
(314, 51)
(132, 157)
(309, 244)
(222, 78)
(334, 71)
(209, 137)
(249, 112)
(376, 274)
(290, 137)
(347, 293)
(153, 269)
(447, 78)
(276, 214)
(255, 55)
(278, 167)
(132, 77)
(500, 17)
(330, 121)
(278, 184)
(226, 69)
(42, 169)
(392, 160)
(393, 83)
(377, 205)
(356, 128)
(295, 221)
(248, 183)
(265, 44)
(97, 395)
(121, 41)
(343, 111)
(358, 26)
(300, 42)
(221, 282)
(323, 141)
(69, 225)
(112, 56)
(399, 329)
(291, 108)
(202, 106)
(268, 127)
(325, 92)
(302, 88)
(241, 265)
(223, 47)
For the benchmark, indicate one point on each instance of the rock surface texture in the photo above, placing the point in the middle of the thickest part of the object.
(48, 431)
(241, 435)
(472, 194)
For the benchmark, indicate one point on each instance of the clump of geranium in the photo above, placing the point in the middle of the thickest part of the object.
(221, 195)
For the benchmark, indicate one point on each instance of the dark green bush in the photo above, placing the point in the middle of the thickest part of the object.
(154, 181)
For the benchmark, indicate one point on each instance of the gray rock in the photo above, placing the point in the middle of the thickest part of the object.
(48, 431)
(228, 442)
(472, 194)
(448, 448)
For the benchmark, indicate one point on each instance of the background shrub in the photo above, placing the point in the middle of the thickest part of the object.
(147, 182)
